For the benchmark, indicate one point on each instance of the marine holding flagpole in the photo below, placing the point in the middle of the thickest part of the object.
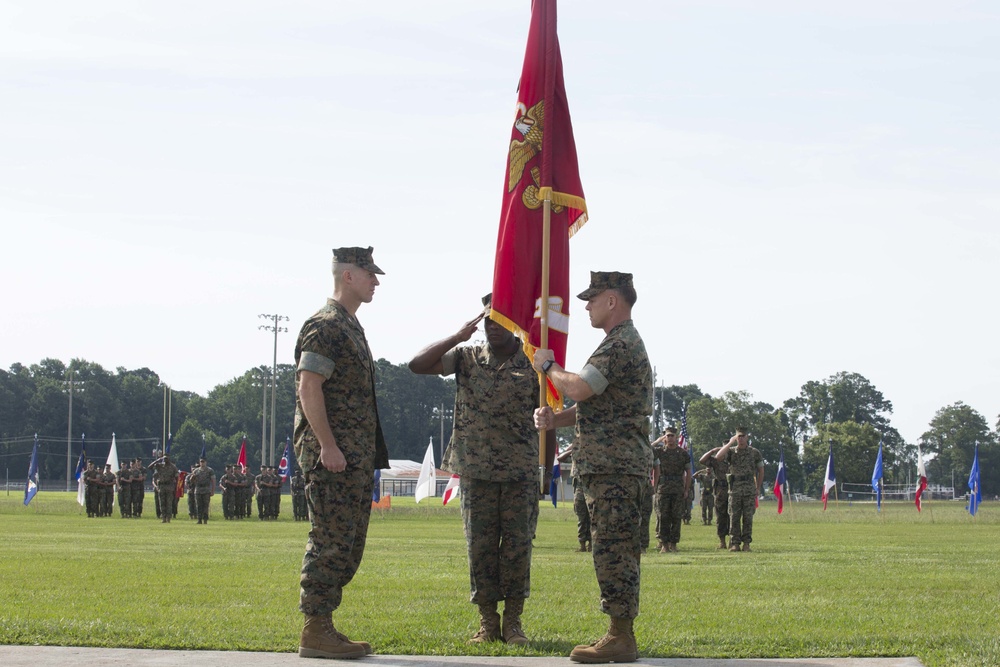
(613, 394)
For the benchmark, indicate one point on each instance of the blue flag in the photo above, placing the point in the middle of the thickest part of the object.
(877, 478)
(31, 488)
(377, 488)
(203, 443)
(82, 461)
(170, 441)
(554, 484)
(975, 492)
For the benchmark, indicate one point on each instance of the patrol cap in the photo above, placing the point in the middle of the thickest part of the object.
(361, 257)
(605, 280)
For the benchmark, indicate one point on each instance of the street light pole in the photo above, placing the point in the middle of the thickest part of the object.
(274, 328)
(69, 434)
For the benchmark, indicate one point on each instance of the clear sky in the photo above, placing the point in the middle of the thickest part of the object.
(799, 188)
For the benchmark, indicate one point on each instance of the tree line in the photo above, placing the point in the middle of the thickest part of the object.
(844, 411)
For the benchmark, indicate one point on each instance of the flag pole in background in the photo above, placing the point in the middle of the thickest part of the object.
(779, 482)
(427, 481)
(80, 465)
(877, 478)
(921, 478)
(31, 486)
(975, 492)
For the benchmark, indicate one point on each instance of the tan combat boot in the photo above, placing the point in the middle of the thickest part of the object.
(618, 645)
(511, 628)
(722, 543)
(489, 624)
(583, 546)
(746, 546)
(321, 640)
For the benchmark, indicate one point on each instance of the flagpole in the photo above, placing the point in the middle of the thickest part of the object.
(543, 311)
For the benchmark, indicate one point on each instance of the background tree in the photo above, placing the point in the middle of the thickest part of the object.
(713, 421)
(951, 439)
(409, 406)
(855, 448)
(669, 402)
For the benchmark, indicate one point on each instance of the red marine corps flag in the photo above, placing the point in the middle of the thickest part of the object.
(543, 202)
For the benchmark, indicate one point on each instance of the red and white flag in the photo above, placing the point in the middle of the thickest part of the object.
(451, 491)
(922, 478)
(242, 460)
(541, 161)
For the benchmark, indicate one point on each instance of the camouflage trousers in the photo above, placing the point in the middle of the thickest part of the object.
(165, 502)
(340, 505)
(125, 501)
(138, 496)
(202, 501)
(722, 513)
(669, 511)
(741, 510)
(707, 503)
(299, 509)
(500, 520)
(228, 503)
(646, 509)
(614, 505)
(582, 513)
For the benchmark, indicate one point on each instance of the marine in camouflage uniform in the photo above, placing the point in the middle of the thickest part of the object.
(579, 502)
(494, 450)
(298, 487)
(90, 489)
(124, 481)
(339, 444)
(138, 488)
(258, 485)
(613, 395)
(107, 491)
(277, 482)
(704, 477)
(720, 493)
(227, 493)
(191, 498)
(165, 483)
(202, 484)
(746, 474)
(672, 477)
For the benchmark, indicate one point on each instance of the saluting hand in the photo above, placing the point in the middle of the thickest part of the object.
(469, 328)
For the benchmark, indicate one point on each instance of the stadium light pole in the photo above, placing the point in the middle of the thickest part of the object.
(69, 427)
(275, 329)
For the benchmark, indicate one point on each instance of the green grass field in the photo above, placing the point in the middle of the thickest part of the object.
(847, 582)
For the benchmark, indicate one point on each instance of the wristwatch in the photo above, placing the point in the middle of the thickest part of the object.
(547, 364)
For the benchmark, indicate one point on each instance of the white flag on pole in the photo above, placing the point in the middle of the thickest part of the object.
(113, 455)
(427, 482)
